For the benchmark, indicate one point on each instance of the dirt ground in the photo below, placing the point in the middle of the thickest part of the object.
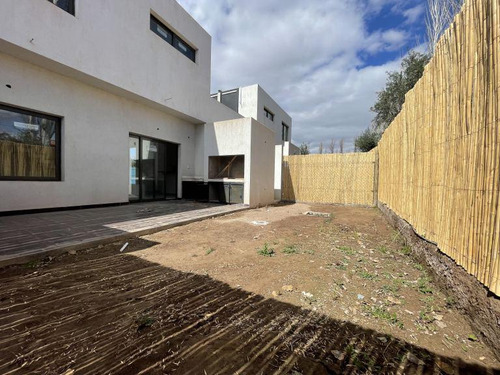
(263, 291)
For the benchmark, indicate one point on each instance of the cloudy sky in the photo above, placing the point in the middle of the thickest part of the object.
(322, 60)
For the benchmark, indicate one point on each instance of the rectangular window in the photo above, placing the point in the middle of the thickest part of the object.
(269, 114)
(29, 145)
(67, 5)
(284, 131)
(171, 38)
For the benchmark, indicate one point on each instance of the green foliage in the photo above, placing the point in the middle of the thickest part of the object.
(346, 250)
(266, 251)
(367, 275)
(290, 249)
(209, 251)
(144, 321)
(405, 250)
(304, 149)
(383, 249)
(380, 312)
(366, 140)
(391, 99)
(423, 286)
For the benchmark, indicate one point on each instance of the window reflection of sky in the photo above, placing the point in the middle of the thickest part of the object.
(19, 127)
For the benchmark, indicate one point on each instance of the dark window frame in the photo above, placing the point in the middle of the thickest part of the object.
(269, 114)
(285, 134)
(173, 38)
(58, 121)
(70, 9)
(140, 138)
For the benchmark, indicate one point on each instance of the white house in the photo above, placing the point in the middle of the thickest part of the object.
(252, 101)
(105, 102)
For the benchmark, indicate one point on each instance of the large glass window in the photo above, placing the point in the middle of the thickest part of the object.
(171, 38)
(29, 145)
(67, 5)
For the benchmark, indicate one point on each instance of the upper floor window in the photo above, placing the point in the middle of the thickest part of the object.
(269, 114)
(67, 5)
(29, 145)
(284, 131)
(171, 38)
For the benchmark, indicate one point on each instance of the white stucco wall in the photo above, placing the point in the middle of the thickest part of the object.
(109, 43)
(262, 166)
(246, 137)
(278, 166)
(95, 131)
(252, 101)
(290, 149)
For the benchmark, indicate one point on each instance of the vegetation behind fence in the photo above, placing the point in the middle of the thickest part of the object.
(440, 158)
(330, 178)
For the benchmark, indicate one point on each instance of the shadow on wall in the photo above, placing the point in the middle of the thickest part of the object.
(105, 312)
(287, 187)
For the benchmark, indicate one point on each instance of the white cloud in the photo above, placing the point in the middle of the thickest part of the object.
(306, 55)
(412, 15)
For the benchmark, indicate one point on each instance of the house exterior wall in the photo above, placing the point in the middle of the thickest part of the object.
(111, 42)
(253, 100)
(95, 130)
(107, 75)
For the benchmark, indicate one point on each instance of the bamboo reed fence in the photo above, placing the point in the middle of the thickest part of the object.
(439, 161)
(330, 178)
(24, 160)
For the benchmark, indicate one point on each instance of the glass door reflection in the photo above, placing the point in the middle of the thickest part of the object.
(153, 169)
(134, 193)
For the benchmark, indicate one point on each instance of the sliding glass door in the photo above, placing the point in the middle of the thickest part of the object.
(155, 168)
(134, 186)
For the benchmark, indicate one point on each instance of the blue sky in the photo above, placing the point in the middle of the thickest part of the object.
(322, 60)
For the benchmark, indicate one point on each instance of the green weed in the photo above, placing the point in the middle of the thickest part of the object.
(209, 251)
(266, 251)
(346, 250)
(144, 321)
(418, 267)
(405, 250)
(380, 312)
(290, 249)
(383, 249)
(367, 275)
(423, 286)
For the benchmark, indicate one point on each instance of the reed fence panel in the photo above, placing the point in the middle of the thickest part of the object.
(330, 178)
(439, 160)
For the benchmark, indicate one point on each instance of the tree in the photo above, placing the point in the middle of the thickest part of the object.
(304, 149)
(331, 146)
(341, 145)
(390, 100)
(367, 140)
(440, 15)
(320, 148)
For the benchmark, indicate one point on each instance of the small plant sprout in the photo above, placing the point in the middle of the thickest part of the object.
(290, 249)
(209, 251)
(405, 250)
(266, 251)
(346, 250)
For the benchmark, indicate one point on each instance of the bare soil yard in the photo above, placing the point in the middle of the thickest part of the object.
(300, 295)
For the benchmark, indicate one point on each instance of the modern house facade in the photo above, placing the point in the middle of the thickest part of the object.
(253, 101)
(109, 102)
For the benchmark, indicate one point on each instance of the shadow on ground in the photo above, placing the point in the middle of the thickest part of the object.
(104, 312)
